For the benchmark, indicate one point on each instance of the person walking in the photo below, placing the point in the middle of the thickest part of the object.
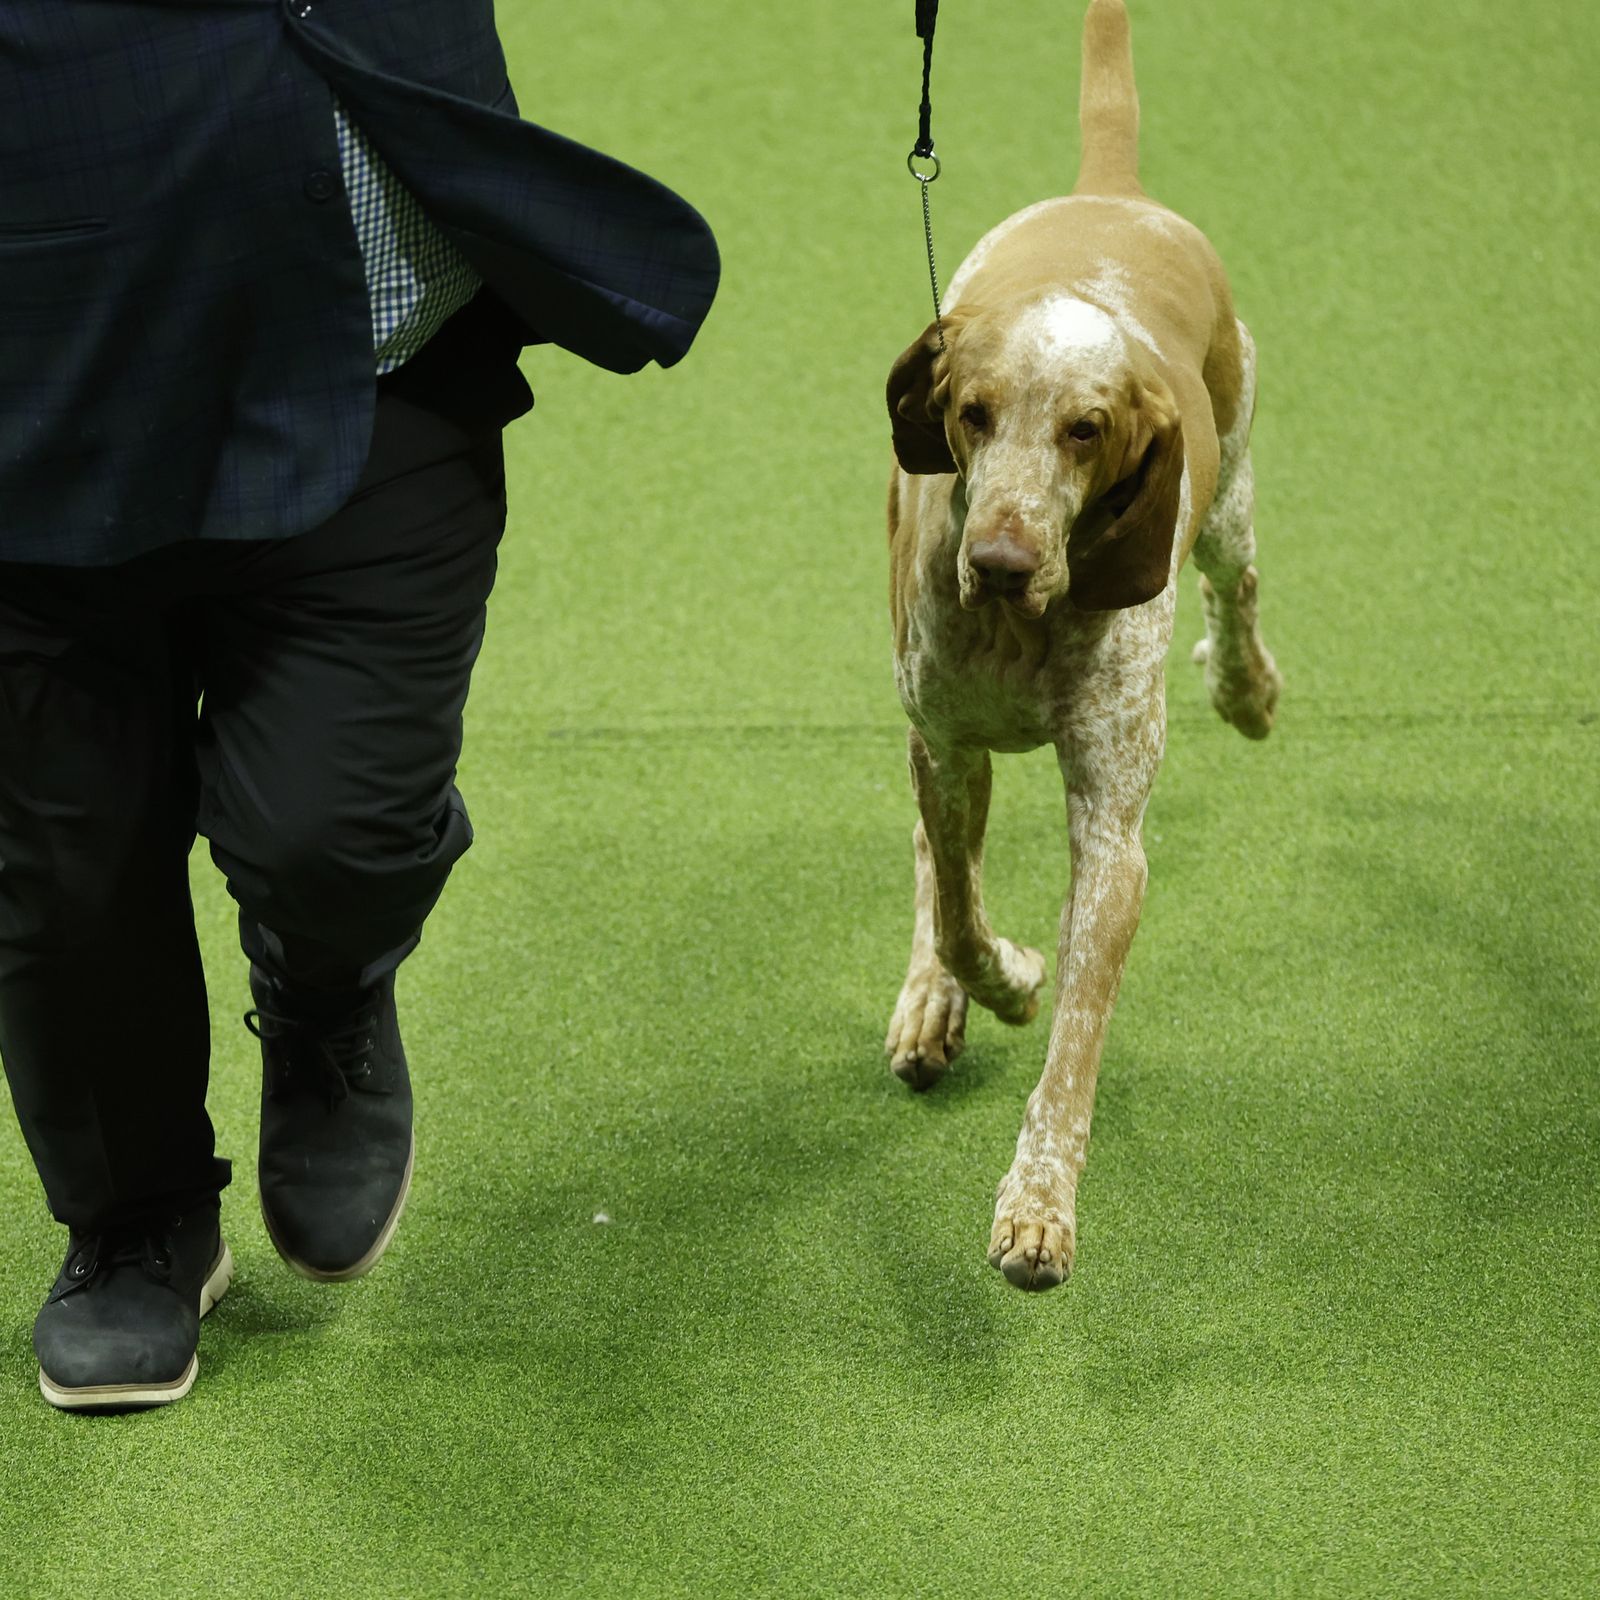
(265, 270)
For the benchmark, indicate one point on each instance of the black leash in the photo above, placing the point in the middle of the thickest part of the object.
(922, 150)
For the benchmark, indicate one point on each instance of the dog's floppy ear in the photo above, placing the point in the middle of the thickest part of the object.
(918, 388)
(1120, 550)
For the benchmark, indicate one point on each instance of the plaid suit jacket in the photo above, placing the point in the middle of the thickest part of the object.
(185, 339)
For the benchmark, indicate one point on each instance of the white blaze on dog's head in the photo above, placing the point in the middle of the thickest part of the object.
(1113, 288)
(1065, 337)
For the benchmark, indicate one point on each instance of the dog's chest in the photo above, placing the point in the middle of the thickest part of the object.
(990, 679)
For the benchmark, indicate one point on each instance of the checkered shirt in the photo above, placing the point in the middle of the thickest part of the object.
(416, 279)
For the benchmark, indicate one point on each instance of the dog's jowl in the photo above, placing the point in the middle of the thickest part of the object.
(1084, 430)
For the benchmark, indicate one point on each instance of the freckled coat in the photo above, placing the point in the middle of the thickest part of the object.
(1085, 429)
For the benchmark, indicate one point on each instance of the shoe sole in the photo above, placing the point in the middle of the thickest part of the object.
(365, 1265)
(125, 1396)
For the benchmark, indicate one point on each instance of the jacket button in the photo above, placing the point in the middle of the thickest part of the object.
(320, 185)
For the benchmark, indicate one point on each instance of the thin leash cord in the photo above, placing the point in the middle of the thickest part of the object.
(933, 269)
(922, 150)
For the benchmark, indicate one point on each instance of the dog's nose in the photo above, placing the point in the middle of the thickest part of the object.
(1003, 565)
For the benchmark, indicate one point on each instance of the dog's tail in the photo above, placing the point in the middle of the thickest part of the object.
(1108, 104)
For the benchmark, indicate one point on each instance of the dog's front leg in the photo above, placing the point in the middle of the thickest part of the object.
(1035, 1225)
(955, 953)
(928, 1029)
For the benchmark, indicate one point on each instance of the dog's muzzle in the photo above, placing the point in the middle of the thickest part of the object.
(1002, 569)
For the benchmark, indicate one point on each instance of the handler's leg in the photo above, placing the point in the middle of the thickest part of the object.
(337, 667)
(103, 1021)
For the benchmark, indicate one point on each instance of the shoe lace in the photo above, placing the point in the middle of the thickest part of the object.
(338, 1055)
(146, 1245)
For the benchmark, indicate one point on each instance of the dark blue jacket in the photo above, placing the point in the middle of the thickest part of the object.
(185, 338)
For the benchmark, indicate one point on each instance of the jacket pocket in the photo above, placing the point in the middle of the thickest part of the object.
(44, 232)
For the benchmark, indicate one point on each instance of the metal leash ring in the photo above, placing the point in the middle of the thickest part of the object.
(922, 150)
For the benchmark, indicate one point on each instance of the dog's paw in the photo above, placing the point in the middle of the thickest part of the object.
(1248, 696)
(1034, 1237)
(1010, 986)
(929, 1027)
(1242, 679)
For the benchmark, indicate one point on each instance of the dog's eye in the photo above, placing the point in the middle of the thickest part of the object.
(1084, 430)
(975, 416)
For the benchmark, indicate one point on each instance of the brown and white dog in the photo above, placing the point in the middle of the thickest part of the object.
(1084, 429)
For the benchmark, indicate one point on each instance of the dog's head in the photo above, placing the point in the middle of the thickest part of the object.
(1068, 443)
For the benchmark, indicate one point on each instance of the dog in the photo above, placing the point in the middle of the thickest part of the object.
(1075, 429)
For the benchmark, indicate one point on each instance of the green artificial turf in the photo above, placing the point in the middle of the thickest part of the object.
(1333, 1328)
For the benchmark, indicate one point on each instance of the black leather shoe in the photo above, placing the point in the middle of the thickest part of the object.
(121, 1326)
(336, 1144)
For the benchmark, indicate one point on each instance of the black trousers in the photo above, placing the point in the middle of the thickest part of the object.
(298, 702)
